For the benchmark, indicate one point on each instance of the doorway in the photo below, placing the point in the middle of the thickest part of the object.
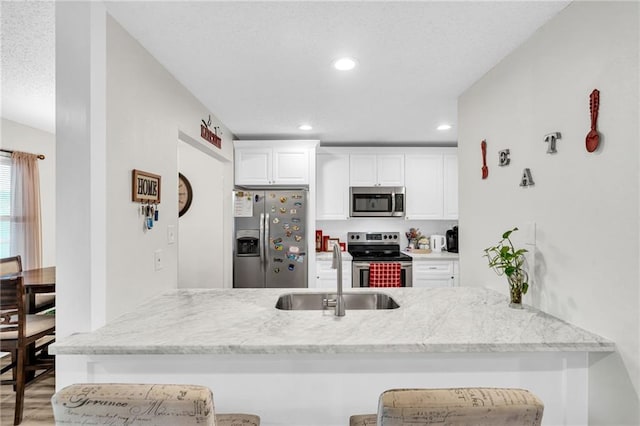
(201, 256)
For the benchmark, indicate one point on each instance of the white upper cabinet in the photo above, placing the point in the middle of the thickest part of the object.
(332, 195)
(253, 166)
(376, 170)
(424, 186)
(290, 166)
(273, 162)
(450, 186)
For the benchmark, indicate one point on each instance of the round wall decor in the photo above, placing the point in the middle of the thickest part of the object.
(185, 194)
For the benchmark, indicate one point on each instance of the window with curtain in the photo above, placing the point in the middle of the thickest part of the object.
(5, 205)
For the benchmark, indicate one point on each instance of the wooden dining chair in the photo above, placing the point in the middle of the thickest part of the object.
(10, 265)
(23, 336)
(13, 265)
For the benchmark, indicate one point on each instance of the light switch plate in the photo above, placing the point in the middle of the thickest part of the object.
(157, 260)
(171, 234)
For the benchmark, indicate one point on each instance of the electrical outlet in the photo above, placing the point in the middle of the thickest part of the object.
(157, 260)
(171, 234)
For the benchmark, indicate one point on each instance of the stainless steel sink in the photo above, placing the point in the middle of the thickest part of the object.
(316, 301)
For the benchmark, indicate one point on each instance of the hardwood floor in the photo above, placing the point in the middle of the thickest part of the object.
(37, 403)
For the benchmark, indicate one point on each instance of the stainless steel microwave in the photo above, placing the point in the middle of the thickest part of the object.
(376, 201)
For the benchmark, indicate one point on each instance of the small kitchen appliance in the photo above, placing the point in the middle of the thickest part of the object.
(452, 240)
(438, 242)
(377, 247)
(270, 245)
(376, 201)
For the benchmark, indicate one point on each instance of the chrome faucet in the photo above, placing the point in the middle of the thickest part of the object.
(338, 302)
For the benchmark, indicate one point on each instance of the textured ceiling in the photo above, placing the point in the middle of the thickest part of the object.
(265, 67)
(28, 63)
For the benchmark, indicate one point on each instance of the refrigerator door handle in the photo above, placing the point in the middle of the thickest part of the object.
(265, 245)
(262, 234)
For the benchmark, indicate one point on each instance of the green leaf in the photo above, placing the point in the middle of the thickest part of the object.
(525, 287)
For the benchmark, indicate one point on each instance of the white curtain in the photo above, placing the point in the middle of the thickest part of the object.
(26, 225)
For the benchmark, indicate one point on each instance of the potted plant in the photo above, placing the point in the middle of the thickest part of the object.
(505, 259)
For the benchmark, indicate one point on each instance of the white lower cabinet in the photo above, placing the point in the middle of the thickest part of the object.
(326, 277)
(435, 273)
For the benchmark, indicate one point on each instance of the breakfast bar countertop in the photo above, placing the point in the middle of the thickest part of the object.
(245, 321)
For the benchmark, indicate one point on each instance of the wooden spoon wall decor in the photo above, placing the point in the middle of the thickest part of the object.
(593, 138)
(485, 169)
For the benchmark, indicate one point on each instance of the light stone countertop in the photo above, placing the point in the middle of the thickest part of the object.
(443, 255)
(245, 321)
(328, 255)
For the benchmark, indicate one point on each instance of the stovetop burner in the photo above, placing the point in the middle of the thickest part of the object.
(376, 246)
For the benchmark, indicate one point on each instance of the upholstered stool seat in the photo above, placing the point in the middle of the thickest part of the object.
(363, 420)
(459, 406)
(141, 404)
(237, 419)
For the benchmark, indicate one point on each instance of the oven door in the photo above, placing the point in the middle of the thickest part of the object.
(360, 273)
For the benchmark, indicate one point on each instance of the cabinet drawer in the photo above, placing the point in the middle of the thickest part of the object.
(429, 267)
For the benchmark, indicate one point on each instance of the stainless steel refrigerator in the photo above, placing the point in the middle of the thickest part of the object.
(270, 244)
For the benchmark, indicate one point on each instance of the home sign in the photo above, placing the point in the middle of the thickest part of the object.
(145, 187)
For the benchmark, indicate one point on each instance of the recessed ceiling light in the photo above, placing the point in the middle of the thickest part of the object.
(444, 127)
(305, 127)
(344, 64)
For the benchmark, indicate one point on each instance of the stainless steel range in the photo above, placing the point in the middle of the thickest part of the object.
(377, 247)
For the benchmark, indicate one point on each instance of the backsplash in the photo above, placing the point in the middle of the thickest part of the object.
(339, 228)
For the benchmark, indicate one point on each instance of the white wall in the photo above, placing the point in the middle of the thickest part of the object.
(585, 205)
(117, 110)
(146, 110)
(19, 137)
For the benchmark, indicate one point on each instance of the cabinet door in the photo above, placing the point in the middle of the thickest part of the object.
(456, 273)
(332, 191)
(326, 276)
(423, 185)
(450, 186)
(346, 274)
(253, 166)
(428, 273)
(362, 170)
(390, 170)
(290, 166)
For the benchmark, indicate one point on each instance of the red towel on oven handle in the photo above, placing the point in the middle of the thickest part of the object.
(384, 275)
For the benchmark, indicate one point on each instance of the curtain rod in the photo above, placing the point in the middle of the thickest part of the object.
(40, 156)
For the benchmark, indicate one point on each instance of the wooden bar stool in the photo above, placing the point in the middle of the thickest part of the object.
(141, 404)
(460, 407)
